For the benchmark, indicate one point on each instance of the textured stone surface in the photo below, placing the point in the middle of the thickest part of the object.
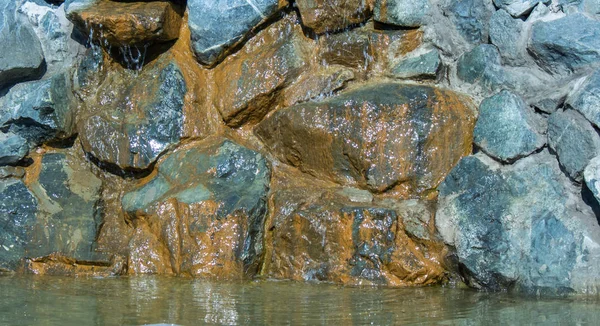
(520, 226)
(127, 125)
(202, 214)
(349, 48)
(518, 8)
(317, 84)
(405, 13)
(591, 176)
(507, 129)
(13, 148)
(470, 18)
(21, 57)
(332, 15)
(321, 235)
(380, 137)
(218, 25)
(425, 65)
(482, 66)
(566, 44)
(128, 23)
(586, 100)
(506, 34)
(252, 79)
(39, 111)
(574, 140)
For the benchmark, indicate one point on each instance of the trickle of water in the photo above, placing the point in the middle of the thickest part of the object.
(133, 56)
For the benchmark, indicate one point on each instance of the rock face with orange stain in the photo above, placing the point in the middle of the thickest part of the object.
(202, 214)
(128, 23)
(323, 16)
(339, 235)
(379, 137)
(126, 125)
(250, 81)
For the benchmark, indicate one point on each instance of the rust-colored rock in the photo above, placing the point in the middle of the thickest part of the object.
(338, 235)
(350, 49)
(317, 84)
(250, 82)
(58, 265)
(332, 15)
(381, 137)
(129, 23)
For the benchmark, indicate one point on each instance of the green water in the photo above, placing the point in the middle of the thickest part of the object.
(151, 300)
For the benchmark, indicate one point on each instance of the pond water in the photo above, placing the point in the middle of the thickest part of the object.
(30, 300)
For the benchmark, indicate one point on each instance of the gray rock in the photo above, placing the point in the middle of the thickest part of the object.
(405, 13)
(425, 65)
(507, 129)
(586, 98)
(518, 8)
(216, 26)
(574, 140)
(39, 111)
(591, 175)
(17, 216)
(470, 18)
(21, 57)
(482, 66)
(506, 33)
(566, 44)
(520, 226)
(13, 148)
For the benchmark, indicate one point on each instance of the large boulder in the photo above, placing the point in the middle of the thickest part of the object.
(39, 111)
(567, 44)
(382, 136)
(250, 82)
(520, 226)
(130, 118)
(202, 214)
(323, 16)
(585, 98)
(574, 140)
(507, 129)
(217, 26)
(21, 57)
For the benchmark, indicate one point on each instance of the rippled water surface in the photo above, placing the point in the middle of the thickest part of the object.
(152, 300)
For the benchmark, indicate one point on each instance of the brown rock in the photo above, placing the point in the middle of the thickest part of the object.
(59, 265)
(317, 84)
(331, 15)
(351, 49)
(129, 23)
(326, 235)
(249, 83)
(383, 136)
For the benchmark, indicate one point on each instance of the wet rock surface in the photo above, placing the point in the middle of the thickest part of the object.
(329, 16)
(379, 137)
(202, 214)
(405, 13)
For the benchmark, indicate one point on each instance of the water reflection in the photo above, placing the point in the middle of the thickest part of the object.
(150, 300)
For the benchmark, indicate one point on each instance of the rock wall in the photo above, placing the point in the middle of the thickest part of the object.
(386, 142)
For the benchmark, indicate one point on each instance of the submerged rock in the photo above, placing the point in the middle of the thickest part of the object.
(323, 16)
(21, 57)
(202, 214)
(507, 129)
(39, 111)
(380, 137)
(216, 26)
(131, 118)
(566, 44)
(520, 226)
(574, 140)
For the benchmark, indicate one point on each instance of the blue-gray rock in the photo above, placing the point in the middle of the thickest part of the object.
(482, 66)
(505, 33)
(201, 193)
(127, 125)
(216, 26)
(507, 129)
(574, 140)
(21, 57)
(518, 8)
(13, 148)
(68, 216)
(520, 226)
(17, 215)
(405, 13)
(470, 18)
(39, 111)
(566, 44)
(591, 175)
(585, 98)
(425, 65)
